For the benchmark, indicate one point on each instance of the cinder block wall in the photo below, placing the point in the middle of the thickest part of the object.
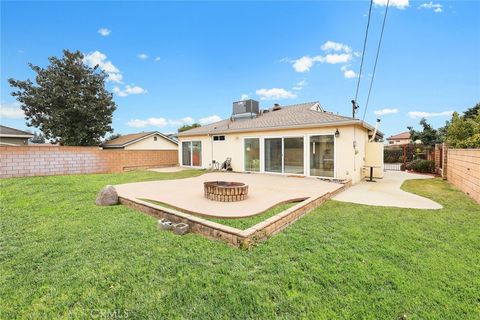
(41, 161)
(463, 170)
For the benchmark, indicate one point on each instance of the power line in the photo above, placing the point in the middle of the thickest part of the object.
(376, 60)
(363, 52)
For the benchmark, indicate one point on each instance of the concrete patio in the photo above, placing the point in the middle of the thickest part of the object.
(265, 191)
(386, 192)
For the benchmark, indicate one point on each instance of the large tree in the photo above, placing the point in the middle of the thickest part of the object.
(186, 127)
(472, 112)
(429, 136)
(68, 101)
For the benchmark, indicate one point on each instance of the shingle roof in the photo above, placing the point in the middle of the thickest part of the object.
(129, 138)
(403, 135)
(292, 116)
(8, 131)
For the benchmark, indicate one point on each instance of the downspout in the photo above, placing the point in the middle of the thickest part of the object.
(211, 148)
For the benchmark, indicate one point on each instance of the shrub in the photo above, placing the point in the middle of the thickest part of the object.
(422, 166)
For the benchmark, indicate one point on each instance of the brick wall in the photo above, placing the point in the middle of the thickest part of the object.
(462, 168)
(55, 160)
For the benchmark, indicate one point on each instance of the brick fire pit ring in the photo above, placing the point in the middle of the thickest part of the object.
(225, 191)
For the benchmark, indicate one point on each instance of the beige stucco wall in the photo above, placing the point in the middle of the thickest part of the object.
(4, 141)
(348, 163)
(150, 144)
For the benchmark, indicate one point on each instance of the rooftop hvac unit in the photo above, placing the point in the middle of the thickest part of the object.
(246, 106)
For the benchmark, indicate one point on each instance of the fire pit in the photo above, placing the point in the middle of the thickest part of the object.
(225, 191)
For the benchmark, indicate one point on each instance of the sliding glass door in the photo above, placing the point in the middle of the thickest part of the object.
(322, 149)
(293, 155)
(273, 155)
(284, 155)
(192, 153)
(186, 153)
(252, 154)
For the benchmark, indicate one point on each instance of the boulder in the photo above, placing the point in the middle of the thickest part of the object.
(107, 196)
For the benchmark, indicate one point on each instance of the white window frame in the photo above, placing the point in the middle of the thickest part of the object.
(260, 154)
(334, 154)
(191, 154)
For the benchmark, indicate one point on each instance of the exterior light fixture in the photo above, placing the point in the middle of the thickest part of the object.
(337, 133)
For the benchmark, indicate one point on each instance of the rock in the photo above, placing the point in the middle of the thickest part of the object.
(107, 196)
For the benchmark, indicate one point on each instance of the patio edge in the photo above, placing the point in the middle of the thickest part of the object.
(235, 237)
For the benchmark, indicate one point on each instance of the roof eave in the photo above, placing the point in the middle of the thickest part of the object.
(301, 126)
(27, 136)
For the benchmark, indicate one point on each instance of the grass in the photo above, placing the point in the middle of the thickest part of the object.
(63, 257)
(239, 223)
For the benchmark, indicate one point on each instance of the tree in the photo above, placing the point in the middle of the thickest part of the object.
(472, 112)
(429, 136)
(113, 136)
(68, 102)
(188, 127)
(38, 138)
(464, 132)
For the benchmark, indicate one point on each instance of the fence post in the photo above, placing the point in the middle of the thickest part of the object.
(444, 160)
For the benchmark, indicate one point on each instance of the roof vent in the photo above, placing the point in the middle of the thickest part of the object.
(276, 107)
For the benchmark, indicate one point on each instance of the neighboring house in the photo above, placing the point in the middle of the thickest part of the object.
(13, 137)
(399, 139)
(300, 139)
(142, 141)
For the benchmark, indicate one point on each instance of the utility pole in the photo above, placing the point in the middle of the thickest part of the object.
(354, 108)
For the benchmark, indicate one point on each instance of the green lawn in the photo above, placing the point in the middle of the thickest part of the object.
(63, 257)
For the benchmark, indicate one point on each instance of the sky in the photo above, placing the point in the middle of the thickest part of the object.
(175, 63)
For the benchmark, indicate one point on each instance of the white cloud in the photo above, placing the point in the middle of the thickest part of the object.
(162, 122)
(128, 90)
(142, 56)
(244, 96)
(154, 122)
(275, 94)
(104, 32)
(399, 4)
(385, 111)
(422, 114)
(436, 7)
(181, 122)
(209, 119)
(338, 58)
(306, 62)
(98, 58)
(157, 58)
(299, 85)
(347, 73)
(336, 46)
(11, 111)
(350, 74)
(115, 77)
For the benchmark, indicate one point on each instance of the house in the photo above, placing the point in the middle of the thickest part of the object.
(153, 140)
(399, 139)
(13, 137)
(301, 139)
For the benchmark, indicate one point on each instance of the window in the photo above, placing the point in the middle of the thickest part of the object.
(218, 138)
(154, 138)
(192, 153)
(252, 154)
